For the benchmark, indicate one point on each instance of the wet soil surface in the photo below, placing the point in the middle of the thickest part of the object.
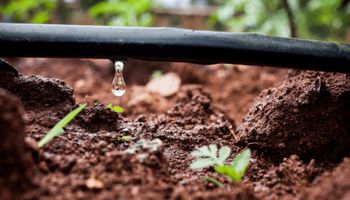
(295, 122)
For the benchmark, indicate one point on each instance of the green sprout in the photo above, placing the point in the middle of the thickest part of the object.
(124, 138)
(117, 109)
(57, 130)
(156, 74)
(208, 156)
(236, 170)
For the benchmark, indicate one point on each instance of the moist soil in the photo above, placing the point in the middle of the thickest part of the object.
(297, 124)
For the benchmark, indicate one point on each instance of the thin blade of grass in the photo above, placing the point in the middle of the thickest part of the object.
(58, 128)
(213, 180)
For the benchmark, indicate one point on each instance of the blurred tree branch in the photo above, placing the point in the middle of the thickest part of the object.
(291, 20)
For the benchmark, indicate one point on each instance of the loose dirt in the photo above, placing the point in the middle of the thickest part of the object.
(295, 122)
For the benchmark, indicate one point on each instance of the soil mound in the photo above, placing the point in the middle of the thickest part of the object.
(45, 100)
(15, 162)
(193, 120)
(308, 115)
(99, 117)
(36, 90)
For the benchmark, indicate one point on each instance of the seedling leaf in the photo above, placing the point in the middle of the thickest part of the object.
(213, 150)
(241, 162)
(117, 109)
(58, 128)
(224, 153)
(227, 171)
(202, 163)
(209, 156)
(201, 152)
(236, 170)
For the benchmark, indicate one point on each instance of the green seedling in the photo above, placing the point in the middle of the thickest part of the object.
(156, 74)
(57, 130)
(117, 109)
(238, 167)
(209, 156)
(124, 138)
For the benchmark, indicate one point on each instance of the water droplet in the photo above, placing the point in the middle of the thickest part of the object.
(118, 84)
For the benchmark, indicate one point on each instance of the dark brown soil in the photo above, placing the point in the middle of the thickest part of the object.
(331, 185)
(15, 162)
(297, 130)
(308, 115)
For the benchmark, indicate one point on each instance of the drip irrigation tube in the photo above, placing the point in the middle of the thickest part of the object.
(170, 44)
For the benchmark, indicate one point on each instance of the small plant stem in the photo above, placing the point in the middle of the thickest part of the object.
(213, 180)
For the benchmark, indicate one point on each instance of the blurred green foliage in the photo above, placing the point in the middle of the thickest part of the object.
(316, 19)
(34, 11)
(123, 12)
(105, 12)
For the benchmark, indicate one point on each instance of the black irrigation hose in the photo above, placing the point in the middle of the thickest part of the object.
(170, 44)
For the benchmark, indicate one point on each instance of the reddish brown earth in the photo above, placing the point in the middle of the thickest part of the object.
(296, 123)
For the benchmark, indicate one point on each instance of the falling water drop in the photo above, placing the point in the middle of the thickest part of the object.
(118, 84)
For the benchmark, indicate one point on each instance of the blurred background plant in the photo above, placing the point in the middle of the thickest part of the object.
(123, 12)
(313, 19)
(105, 12)
(34, 11)
(316, 19)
